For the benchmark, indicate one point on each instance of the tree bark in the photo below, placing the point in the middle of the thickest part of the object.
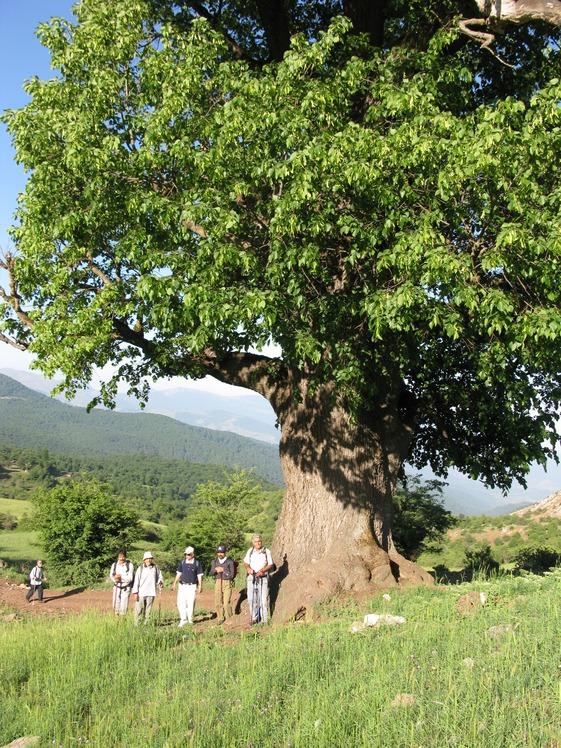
(520, 11)
(333, 535)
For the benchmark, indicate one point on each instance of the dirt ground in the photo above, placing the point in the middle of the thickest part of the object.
(80, 599)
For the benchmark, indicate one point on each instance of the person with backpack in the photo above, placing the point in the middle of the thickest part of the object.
(122, 576)
(36, 579)
(190, 578)
(148, 581)
(258, 562)
(223, 569)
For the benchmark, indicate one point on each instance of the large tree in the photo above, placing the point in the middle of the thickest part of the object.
(376, 194)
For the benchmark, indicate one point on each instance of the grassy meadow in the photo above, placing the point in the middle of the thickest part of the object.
(490, 679)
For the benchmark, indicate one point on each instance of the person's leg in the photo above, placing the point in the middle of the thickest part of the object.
(250, 596)
(125, 595)
(265, 599)
(182, 603)
(227, 598)
(148, 603)
(218, 603)
(40, 592)
(191, 593)
(138, 606)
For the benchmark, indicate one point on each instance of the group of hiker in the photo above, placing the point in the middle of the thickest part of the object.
(147, 582)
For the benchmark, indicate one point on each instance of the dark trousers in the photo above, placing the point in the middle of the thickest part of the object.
(39, 588)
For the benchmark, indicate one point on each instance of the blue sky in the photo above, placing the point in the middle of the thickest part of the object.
(22, 57)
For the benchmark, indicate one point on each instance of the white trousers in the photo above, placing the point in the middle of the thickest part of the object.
(121, 600)
(186, 594)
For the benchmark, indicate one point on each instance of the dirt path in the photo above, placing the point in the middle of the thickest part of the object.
(80, 599)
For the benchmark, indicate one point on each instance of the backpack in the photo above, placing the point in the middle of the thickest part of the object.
(265, 551)
(128, 568)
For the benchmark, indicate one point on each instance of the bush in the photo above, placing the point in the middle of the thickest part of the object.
(481, 560)
(537, 560)
(82, 526)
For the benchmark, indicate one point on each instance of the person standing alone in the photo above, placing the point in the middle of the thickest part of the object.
(36, 579)
(190, 578)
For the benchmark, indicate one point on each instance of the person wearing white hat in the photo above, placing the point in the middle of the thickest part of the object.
(147, 580)
(190, 578)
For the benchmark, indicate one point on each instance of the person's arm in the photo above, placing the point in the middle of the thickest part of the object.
(136, 582)
(176, 580)
(246, 564)
(200, 580)
(268, 566)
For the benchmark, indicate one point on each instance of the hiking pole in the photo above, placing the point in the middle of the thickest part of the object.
(260, 600)
(159, 605)
(254, 600)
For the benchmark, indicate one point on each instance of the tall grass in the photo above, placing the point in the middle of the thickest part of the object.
(491, 679)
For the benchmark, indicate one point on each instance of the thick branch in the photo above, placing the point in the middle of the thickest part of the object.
(13, 299)
(503, 12)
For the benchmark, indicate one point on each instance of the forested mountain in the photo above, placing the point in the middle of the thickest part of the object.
(159, 488)
(30, 419)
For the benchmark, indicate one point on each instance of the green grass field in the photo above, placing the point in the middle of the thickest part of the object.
(16, 507)
(20, 548)
(491, 680)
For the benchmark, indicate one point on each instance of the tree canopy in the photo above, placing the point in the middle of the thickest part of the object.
(374, 193)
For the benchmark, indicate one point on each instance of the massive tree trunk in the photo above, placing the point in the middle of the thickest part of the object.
(333, 535)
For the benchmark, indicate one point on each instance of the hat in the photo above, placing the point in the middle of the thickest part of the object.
(189, 550)
(221, 549)
(147, 555)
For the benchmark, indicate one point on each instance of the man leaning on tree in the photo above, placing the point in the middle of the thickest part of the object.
(258, 563)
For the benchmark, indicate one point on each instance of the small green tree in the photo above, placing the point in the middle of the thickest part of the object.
(537, 559)
(220, 513)
(82, 525)
(481, 560)
(420, 519)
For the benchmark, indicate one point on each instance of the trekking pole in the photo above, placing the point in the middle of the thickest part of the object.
(260, 600)
(254, 600)
(159, 605)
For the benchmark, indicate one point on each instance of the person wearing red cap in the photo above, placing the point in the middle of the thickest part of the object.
(223, 569)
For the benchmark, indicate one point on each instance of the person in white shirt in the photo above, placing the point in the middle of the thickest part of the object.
(36, 579)
(258, 563)
(122, 575)
(147, 581)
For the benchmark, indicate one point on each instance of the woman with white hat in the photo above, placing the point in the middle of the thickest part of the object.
(147, 580)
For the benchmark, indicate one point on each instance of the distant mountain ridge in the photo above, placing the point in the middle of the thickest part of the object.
(248, 414)
(244, 412)
(31, 419)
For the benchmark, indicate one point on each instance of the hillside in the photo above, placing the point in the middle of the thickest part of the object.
(30, 419)
(535, 526)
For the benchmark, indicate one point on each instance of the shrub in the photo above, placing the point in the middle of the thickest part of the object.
(536, 560)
